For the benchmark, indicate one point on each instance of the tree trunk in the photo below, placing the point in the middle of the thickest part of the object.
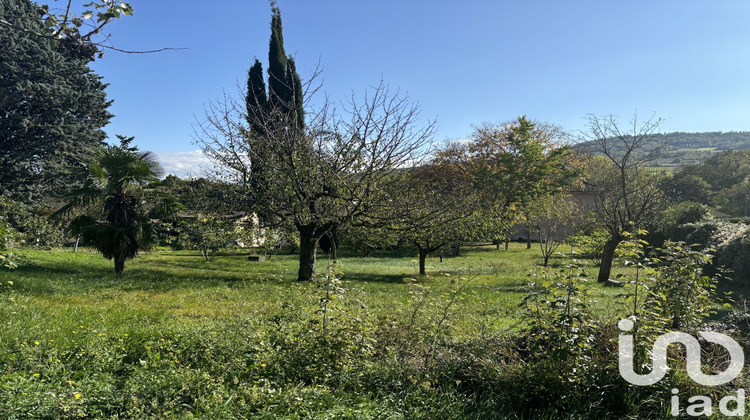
(334, 249)
(546, 260)
(497, 244)
(507, 243)
(75, 248)
(605, 268)
(422, 259)
(528, 239)
(119, 265)
(308, 247)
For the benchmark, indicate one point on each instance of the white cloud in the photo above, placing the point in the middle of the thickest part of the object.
(183, 164)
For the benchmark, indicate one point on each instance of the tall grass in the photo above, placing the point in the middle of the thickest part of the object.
(177, 336)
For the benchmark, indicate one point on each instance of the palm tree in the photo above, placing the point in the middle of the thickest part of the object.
(114, 219)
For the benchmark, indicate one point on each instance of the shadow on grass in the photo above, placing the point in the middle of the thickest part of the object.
(517, 286)
(152, 275)
(377, 278)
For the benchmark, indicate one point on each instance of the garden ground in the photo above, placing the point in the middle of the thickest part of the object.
(178, 337)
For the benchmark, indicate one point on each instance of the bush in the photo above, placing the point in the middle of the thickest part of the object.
(687, 212)
(33, 227)
(7, 259)
(591, 244)
(735, 255)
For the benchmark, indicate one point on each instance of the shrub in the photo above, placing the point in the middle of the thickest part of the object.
(735, 255)
(592, 244)
(687, 212)
(33, 227)
(7, 259)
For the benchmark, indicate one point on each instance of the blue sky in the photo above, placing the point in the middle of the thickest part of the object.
(464, 62)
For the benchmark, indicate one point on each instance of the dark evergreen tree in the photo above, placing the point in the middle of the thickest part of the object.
(256, 100)
(52, 107)
(279, 92)
(275, 111)
(296, 100)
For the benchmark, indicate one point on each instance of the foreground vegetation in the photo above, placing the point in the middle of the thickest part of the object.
(177, 337)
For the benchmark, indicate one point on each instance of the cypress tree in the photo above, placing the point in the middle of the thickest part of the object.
(296, 103)
(256, 100)
(279, 96)
(273, 112)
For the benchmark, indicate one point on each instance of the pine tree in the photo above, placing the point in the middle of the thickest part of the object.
(52, 107)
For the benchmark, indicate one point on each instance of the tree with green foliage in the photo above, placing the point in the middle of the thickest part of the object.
(686, 186)
(723, 170)
(213, 216)
(278, 106)
(512, 163)
(208, 233)
(32, 225)
(117, 188)
(53, 107)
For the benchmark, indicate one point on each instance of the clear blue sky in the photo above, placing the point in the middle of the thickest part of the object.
(464, 62)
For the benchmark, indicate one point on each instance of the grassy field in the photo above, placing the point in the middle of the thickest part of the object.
(179, 337)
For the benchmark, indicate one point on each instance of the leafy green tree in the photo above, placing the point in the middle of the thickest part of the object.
(686, 186)
(53, 107)
(208, 233)
(367, 239)
(31, 224)
(734, 200)
(723, 170)
(117, 188)
(280, 108)
(679, 296)
(512, 163)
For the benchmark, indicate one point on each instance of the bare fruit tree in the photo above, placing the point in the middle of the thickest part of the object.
(625, 192)
(328, 172)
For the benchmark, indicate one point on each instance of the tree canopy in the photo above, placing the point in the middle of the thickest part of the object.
(52, 107)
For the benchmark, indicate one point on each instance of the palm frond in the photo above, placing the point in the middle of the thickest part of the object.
(82, 197)
(78, 225)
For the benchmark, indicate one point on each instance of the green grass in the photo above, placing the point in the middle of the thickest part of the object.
(177, 336)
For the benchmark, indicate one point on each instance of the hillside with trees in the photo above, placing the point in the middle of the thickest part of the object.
(682, 148)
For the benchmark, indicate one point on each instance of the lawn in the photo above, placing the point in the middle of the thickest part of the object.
(177, 336)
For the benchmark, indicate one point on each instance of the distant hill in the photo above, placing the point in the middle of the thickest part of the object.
(691, 148)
